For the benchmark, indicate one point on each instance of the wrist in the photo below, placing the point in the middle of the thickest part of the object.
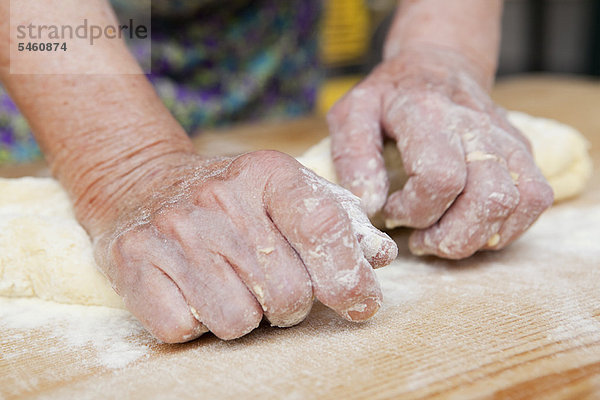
(105, 183)
(454, 61)
(468, 28)
(99, 134)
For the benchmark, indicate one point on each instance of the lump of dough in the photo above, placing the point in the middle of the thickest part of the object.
(44, 252)
(559, 150)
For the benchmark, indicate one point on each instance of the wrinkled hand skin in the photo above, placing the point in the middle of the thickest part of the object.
(473, 183)
(216, 244)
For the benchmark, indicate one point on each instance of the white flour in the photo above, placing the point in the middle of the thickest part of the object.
(115, 336)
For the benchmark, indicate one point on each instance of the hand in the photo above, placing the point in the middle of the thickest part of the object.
(472, 182)
(216, 244)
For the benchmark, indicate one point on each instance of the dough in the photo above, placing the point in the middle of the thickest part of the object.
(45, 253)
(560, 151)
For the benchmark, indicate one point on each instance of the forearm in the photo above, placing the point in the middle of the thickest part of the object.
(470, 28)
(95, 130)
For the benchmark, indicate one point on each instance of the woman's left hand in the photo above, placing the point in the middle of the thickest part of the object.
(473, 183)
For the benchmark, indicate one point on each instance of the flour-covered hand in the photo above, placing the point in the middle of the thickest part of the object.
(472, 182)
(216, 244)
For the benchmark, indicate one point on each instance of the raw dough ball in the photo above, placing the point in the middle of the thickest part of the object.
(560, 151)
(45, 253)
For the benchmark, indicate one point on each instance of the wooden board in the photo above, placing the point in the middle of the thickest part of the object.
(521, 323)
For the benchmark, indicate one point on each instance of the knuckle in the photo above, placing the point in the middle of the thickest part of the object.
(447, 178)
(129, 246)
(537, 195)
(266, 157)
(264, 165)
(213, 192)
(502, 200)
(495, 194)
(454, 182)
(169, 220)
(128, 255)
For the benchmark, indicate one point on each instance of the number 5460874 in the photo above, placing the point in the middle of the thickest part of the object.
(50, 46)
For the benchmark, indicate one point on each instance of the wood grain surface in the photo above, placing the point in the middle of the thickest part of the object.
(523, 323)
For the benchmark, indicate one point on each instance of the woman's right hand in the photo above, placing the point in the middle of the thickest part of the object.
(201, 244)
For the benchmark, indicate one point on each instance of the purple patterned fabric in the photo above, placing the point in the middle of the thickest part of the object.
(216, 62)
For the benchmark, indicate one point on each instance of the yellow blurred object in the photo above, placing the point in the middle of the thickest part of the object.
(345, 31)
(333, 89)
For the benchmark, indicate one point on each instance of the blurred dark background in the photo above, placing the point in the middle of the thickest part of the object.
(561, 36)
(556, 36)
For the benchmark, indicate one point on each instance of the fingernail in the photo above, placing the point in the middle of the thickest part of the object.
(363, 310)
(379, 249)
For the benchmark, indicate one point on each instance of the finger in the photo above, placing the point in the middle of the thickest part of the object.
(218, 297)
(148, 292)
(535, 196)
(488, 199)
(377, 247)
(278, 279)
(264, 260)
(356, 146)
(320, 231)
(433, 158)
